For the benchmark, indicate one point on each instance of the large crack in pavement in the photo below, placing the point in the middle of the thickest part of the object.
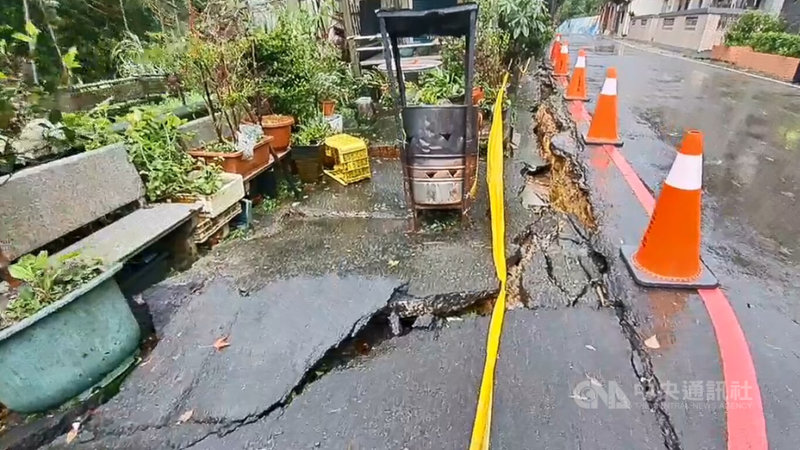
(556, 265)
(402, 314)
(558, 138)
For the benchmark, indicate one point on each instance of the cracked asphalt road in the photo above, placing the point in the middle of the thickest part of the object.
(750, 238)
(311, 277)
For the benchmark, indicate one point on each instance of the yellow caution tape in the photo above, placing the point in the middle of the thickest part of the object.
(481, 430)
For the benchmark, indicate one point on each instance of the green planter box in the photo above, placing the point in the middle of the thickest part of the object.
(67, 347)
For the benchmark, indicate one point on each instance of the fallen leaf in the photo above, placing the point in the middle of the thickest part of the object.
(652, 342)
(590, 347)
(393, 263)
(221, 343)
(185, 416)
(73, 432)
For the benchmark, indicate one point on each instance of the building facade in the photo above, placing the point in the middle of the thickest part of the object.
(687, 24)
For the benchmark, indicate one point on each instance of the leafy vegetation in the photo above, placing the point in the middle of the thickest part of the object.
(167, 171)
(90, 130)
(46, 282)
(287, 58)
(440, 87)
(298, 69)
(528, 24)
(312, 132)
(221, 147)
(493, 51)
(578, 8)
(778, 43)
(218, 63)
(91, 27)
(750, 23)
(764, 33)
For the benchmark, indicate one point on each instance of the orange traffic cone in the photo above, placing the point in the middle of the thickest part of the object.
(577, 83)
(603, 129)
(555, 50)
(669, 255)
(562, 63)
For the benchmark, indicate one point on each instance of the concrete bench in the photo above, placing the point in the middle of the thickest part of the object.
(44, 203)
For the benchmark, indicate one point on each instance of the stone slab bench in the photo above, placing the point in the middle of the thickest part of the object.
(41, 204)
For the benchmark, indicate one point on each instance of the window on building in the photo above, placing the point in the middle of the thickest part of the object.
(690, 23)
(668, 23)
(723, 22)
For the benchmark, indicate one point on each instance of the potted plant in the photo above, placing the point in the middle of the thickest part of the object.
(168, 172)
(279, 128)
(230, 158)
(215, 203)
(307, 149)
(64, 329)
(328, 87)
(218, 64)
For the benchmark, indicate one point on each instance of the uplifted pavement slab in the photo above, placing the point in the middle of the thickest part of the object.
(419, 391)
(414, 391)
(276, 335)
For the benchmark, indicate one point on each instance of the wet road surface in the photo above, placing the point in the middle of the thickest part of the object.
(750, 231)
(574, 371)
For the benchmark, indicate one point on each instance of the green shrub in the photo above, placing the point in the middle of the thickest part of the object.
(528, 24)
(439, 86)
(777, 43)
(750, 23)
(298, 69)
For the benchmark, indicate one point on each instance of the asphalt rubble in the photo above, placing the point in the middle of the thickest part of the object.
(325, 285)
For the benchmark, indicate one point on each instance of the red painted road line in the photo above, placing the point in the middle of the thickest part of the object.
(747, 426)
(639, 189)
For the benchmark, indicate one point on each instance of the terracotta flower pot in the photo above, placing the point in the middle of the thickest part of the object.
(280, 128)
(234, 162)
(477, 95)
(328, 107)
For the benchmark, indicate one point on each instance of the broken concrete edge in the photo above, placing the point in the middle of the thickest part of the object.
(401, 314)
(574, 150)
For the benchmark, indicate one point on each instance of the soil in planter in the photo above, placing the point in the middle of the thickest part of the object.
(234, 162)
(280, 128)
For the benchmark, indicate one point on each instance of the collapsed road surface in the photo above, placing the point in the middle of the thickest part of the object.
(346, 332)
(750, 239)
(368, 337)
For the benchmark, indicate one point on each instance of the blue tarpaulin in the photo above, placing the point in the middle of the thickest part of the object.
(581, 25)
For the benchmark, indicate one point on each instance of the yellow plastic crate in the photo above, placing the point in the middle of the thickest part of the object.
(345, 148)
(350, 176)
(352, 165)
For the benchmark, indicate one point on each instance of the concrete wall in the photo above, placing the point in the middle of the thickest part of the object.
(693, 29)
(646, 7)
(773, 6)
(791, 13)
(643, 28)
